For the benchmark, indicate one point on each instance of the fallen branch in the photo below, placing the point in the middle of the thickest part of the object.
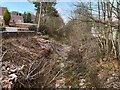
(3, 55)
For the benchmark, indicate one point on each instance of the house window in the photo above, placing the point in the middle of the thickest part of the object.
(19, 21)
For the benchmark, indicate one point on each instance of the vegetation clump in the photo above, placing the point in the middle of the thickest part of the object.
(2, 28)
(32, 28)
(6, 17)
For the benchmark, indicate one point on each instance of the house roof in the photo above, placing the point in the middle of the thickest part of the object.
(1, 21)
(16, 18)
(2, 9)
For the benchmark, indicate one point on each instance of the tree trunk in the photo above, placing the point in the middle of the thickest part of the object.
(118, 31)
(39, 21)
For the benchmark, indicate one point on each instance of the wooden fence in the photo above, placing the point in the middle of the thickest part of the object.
(18, 34)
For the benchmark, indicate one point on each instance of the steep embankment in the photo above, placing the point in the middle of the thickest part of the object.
(35, 62)
(32, 59)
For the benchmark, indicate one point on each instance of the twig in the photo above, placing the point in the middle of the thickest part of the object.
(43, 69)
(21, 83)
(54, 77)
(3, 55)
(33, 69)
